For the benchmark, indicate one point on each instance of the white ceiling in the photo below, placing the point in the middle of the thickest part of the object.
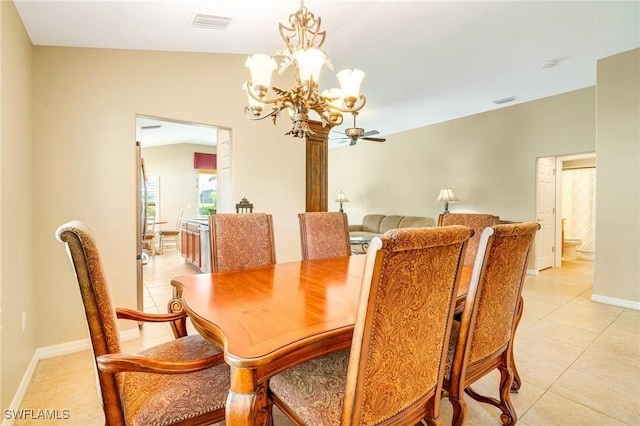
(425, 61)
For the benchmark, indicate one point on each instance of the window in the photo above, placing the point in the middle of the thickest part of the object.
(207, 192)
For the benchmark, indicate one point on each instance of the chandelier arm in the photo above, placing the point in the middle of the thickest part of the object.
(251, 93)
(353, 109)
(248, 113)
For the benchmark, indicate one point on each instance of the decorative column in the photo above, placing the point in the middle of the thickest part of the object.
(317, 168)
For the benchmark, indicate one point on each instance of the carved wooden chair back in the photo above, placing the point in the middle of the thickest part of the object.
(393, 373)
(475, 221)
(483, 339)
(241, 241)
(244, 206)
(324, 235)
(196, 396)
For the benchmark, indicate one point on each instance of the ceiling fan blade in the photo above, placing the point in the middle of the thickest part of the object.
(371, 133)
(373, 139)
(353, 142)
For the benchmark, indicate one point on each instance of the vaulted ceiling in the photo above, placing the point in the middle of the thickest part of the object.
(425, 61)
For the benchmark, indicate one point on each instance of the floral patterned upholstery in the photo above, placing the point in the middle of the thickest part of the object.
(241, 241)
(135, 398)
(324, 234)
(483, 339)
(475, 221)
(395, 367)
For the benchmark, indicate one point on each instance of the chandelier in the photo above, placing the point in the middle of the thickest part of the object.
(303, 41)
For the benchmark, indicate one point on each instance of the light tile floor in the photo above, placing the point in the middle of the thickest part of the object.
(579, 360)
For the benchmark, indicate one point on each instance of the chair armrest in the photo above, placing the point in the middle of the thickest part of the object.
(132, 314)
(356, 228)
(122, 362)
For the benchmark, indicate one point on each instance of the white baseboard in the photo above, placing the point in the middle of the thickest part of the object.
(50, 352)
(630, 304)
(532, 272)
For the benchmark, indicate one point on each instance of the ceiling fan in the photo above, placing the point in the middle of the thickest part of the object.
(353, 134)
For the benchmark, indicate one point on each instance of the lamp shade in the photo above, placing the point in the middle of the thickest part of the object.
(446, 196)
(341, 198)
(309, 62)
(261, 67)
(350, 81)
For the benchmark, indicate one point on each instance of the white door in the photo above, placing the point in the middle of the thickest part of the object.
(545, 212)
(225, 179)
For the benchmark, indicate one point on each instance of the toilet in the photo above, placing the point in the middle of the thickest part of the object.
(570, 248)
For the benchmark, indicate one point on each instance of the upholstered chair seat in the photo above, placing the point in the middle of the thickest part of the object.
(167, 399)
(324, 383)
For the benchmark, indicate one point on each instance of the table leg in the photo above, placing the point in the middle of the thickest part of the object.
(247, 403)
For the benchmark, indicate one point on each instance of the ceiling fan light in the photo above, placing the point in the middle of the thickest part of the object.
(261, 67)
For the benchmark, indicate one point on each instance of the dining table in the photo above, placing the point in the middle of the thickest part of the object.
(271, 318)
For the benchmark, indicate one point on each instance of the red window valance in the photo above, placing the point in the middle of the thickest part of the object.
(202, 160)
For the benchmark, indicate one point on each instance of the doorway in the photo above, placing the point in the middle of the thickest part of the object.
(575, 221)
(167, 157)
(551, 209)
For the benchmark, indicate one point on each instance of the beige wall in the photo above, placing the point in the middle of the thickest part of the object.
(17, 234)
(617, 267)
(487, 159)
(86, 101)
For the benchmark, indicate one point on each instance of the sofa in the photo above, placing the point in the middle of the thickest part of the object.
(377, 224)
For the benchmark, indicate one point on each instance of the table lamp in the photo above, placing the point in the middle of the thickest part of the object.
(341, 198)
(446, 196)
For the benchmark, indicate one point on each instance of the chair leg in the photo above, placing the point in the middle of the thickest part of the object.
(459, 410)
(515, 386)
(508, 416)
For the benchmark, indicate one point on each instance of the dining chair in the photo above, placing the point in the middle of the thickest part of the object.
(482, 340)
(241, 241)
(244, 206)
(171, 235)
(181, 382)
(475, 221)
(394, 370)
(324, 234)
(149, 240)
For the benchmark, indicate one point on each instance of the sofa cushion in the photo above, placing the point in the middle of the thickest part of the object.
(416, 222)
(371, 223)
(390, 222)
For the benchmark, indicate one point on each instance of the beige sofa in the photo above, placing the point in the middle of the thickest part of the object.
(378, 224)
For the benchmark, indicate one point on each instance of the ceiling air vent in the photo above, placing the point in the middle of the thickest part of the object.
(213, 22)
(505, 100)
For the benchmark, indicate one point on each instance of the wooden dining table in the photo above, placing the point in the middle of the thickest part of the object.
(271, 318)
